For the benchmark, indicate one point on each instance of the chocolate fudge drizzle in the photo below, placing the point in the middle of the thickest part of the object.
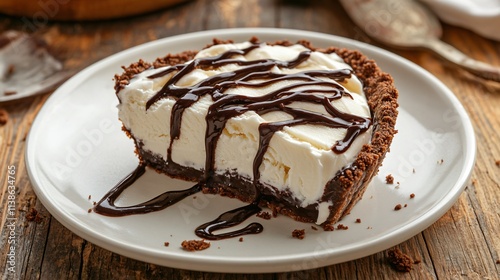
(253, 75)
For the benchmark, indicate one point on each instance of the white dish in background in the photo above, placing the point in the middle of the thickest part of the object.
(76, 148)
(480, 16)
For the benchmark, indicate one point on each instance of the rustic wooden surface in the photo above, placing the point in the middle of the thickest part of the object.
(463, 244)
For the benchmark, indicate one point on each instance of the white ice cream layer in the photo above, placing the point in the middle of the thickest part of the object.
(299, 159)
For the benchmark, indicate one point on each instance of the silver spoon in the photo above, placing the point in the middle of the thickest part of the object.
(407, 24)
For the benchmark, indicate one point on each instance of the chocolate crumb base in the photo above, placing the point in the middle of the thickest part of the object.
(399, 261)
(348, 186)
(235, 186)
(195, 245)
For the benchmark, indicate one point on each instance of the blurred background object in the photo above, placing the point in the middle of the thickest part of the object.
(480, 16)
(81, 9)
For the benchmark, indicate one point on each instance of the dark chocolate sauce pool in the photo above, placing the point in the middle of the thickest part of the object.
(253, 75)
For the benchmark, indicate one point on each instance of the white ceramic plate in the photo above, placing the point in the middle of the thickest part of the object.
(76, 149)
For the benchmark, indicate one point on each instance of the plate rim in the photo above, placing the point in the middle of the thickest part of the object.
(276, 264)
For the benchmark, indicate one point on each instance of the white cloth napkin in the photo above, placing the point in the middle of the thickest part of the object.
(480, 16)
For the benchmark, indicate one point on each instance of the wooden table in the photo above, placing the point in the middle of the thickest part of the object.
(464, 243)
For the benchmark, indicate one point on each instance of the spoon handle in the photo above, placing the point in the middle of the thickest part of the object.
(450, 53)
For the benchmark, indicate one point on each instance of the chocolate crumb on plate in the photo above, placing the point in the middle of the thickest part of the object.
(166, 244)
(412, 195)
(9, 92)
(398, 207)
(328, 228)
(358, 221)
(389, 179)
(195, 245)
(264, 215)
(343, 227)
(399, 261)
(299, 233)
(241, 239)
(314, 228)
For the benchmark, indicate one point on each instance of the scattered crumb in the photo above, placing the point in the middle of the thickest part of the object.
(399, 261)
(275, 212)
(412, 195)
(194, 197)
(34, 216)
(343, 227)
(398, 207)
(389, 179)
(405, 205)
(166, 244)
(498, 261)
(328, 227)
(90, 197)
(90, 210)
(264, 215)
(9, 92)
(417, 261)
(10, 70)
(241, 239)
(413, 170)
(497, 162)
(299, 233)
(358, 221)
(94, 203)
(440, 161)
(4, 117)
(314, 228)
(195, 245)
(369, 228)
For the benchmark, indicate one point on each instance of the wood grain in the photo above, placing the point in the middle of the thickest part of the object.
(463, 244)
